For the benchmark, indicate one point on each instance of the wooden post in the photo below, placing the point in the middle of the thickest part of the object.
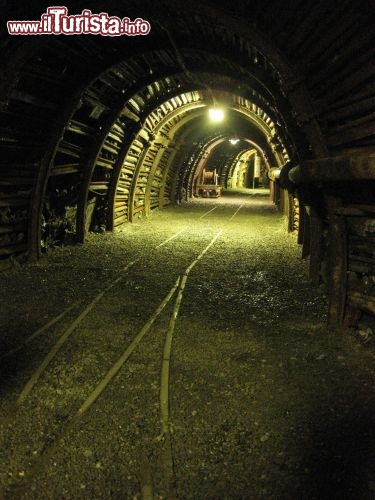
(337, 260)
(166, 173)
(133, 187)
(315, 245)
(306, 234)
(151, 176)
(290, 213)
(301, 225)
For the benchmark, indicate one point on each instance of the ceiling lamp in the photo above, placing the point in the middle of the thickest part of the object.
(216, 114)
(234, 140)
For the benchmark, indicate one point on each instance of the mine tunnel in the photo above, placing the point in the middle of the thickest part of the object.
(187, 250)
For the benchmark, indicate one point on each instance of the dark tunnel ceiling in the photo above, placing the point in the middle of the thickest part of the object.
(298, 77)
(231, 42)
(173, 50)
(229, 55)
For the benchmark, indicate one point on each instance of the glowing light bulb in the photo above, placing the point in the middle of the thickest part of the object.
(234, 140)
(216, 114)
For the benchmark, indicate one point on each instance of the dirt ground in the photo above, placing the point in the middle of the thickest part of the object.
(265, 401)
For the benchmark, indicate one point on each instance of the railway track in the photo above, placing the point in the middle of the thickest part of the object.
(98, 296)
(172, 299)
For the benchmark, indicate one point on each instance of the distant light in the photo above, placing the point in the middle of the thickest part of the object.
(234, 140)
(216, 114)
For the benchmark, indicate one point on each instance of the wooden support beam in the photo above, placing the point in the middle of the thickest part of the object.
(166, 172)
(301, 225)
(89, 168)
(306, 235)
(290, 213)
(132, 209)
(337, 249)
(315, 245)
(41, 180)
(151, 177)
(117, 168)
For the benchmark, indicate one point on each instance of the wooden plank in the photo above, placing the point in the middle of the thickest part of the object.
(364, 302)
(80, 128)
(109, 146)
(327, 31)
(98, 186)
(33, 100)
(14, 228)
(359, 267)
(361, 243)
(105, 163)
(69, 168)
(355, 129)
(362, 259)
(338, 102)
(12, 249)
(69, 149)
(363, 208)
(346, 84)
(345, 45)
(348, 109)
(120, 220)
(16, 201)
(349, 211)
(16, 181)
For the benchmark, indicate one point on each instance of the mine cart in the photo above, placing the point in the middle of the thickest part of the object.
(208, 187)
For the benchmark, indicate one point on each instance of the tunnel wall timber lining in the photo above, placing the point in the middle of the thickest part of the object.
(79, 123)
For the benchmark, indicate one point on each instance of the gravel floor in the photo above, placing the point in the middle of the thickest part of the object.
(266, 402)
